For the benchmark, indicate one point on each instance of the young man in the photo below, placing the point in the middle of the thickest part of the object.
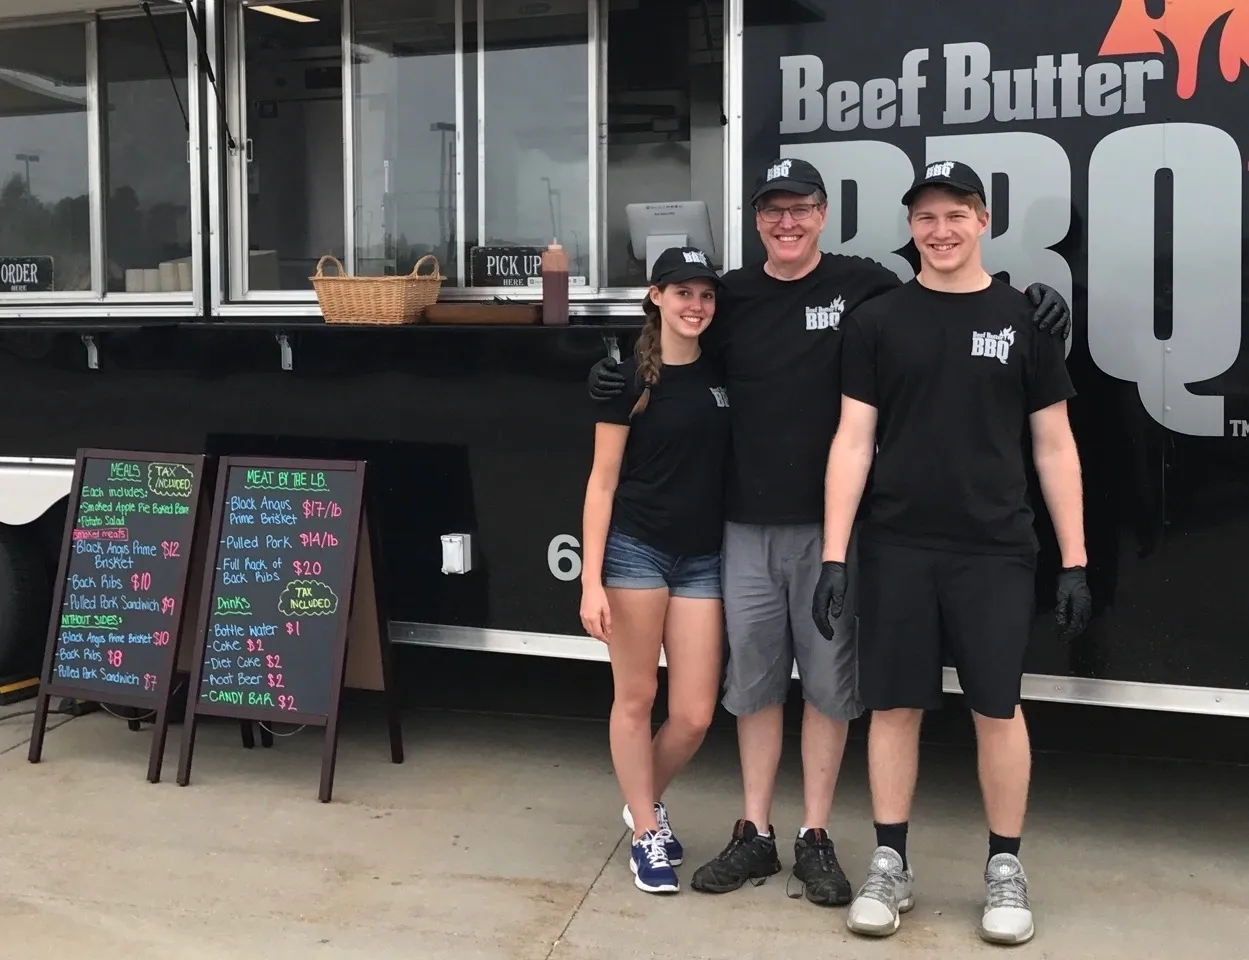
(778, 332)
(940, 380)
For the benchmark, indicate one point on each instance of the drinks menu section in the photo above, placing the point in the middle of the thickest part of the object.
(125, 575)
(281, 590)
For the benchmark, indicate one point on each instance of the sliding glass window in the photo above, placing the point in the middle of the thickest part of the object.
(480, 159)
(534, 177)
(664, 165)
(476, 132)
(289, 172)
(95, 173)
(405, 136)
(146, 129)
(45, 212)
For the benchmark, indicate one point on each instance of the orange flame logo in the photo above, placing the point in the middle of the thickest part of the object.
(1185, 23)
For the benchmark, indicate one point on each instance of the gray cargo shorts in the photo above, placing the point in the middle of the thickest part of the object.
(769, 575)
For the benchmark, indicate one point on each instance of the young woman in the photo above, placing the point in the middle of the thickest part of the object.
(651, 550)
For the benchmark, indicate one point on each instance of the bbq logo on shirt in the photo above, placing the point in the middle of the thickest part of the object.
(826, 318)
(721, 395)
(993, 345)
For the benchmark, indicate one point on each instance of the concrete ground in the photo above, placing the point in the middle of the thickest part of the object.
(500, 838)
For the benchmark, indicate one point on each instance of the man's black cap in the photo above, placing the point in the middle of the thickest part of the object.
(679, 264)
(788, 175)
(947, 173)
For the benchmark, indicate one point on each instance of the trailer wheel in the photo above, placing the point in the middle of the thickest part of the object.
(25, 598)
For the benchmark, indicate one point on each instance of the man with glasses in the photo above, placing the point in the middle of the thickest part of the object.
(778, 332)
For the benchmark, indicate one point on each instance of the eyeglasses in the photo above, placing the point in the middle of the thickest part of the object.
(799, 211)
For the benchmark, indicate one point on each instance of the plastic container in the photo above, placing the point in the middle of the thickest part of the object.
(554, 285)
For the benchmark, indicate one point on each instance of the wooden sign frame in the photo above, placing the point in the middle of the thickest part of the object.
(338, 663)
(48, 687)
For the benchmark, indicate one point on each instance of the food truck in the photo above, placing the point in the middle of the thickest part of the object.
(172, 174)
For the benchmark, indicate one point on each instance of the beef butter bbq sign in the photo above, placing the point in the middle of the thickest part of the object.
(117, 611)
(277, 598)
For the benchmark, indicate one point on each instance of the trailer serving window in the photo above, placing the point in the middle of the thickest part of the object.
(380, 131)
(96, 114)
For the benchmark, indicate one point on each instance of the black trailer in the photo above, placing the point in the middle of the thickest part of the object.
(172, 172)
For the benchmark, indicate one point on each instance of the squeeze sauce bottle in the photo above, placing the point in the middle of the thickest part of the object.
(554, 285)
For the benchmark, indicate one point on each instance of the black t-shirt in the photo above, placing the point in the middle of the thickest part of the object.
(672, 479)
(954, 377)
(780, 343)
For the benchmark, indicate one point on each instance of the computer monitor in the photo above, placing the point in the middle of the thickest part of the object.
(654, 227)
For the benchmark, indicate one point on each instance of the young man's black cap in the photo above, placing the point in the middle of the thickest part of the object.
(788, 175)
(947, 173)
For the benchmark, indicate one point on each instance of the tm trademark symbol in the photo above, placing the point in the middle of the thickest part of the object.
(1240, 428)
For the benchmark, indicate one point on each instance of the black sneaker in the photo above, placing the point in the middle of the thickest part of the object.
(747, 857)
(816, 867)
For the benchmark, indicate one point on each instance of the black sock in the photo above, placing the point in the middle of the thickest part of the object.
(892, 835)
(1002, 845)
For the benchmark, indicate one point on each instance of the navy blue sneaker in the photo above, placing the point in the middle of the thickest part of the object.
(651, 870)
(676, 853)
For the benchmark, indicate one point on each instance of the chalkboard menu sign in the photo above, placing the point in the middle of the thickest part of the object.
(277, 594)
(117, 611)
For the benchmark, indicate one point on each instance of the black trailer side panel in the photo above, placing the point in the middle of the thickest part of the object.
(1113, 146)
(488, 432)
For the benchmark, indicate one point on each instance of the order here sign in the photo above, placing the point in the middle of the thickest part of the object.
(25, 274)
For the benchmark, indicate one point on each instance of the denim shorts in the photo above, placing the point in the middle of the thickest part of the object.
(630, 564)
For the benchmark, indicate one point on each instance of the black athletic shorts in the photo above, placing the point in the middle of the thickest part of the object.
(917, 604)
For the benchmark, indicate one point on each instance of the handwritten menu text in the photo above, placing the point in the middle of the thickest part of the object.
(278, 599)
(124, 578)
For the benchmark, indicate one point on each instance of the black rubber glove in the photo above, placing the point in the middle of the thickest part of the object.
(830, 596)
(1052, 316)
(606, 381)
(1074, 606)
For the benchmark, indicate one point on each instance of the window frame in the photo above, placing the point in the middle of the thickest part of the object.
(98, 301)
(224, 21)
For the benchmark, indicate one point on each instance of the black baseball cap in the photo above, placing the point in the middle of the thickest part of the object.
(788, 175)
(679, 264)
(947, 173)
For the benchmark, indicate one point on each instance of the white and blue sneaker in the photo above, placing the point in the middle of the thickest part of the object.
(671, 844)
(652, 872)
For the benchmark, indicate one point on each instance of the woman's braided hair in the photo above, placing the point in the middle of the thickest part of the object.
(649, 354)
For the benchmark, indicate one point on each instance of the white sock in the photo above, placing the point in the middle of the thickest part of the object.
(804, 830)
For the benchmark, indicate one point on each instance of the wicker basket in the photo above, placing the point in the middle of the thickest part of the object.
(376, 300)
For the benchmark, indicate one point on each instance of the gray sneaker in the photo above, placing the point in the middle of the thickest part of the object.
(1007, 915)
(885, 894)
